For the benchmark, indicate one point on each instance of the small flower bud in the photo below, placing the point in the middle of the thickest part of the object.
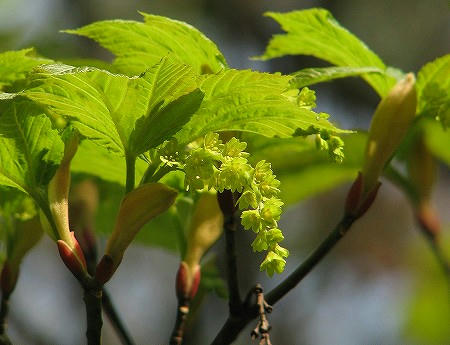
(137, 208)
(390, 123)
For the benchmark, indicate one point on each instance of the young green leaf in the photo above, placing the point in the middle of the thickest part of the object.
(303, 170)
(138, 45)
(15, 65)
(136, 209)
(254, 102)
(315, 32)
(437, 140)
(30, 150)
(125, 115)
(94, 160)
(433, 90)
(311, 76)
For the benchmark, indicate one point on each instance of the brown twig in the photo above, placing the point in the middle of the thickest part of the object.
(93, 302)
(178, 330)
(4, 340)
(236, 323)
(263, 327)
(227, 204)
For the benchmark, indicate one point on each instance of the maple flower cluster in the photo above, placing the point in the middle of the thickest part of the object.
(212, 164)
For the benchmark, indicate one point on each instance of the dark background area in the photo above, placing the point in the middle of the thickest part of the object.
(379, 286)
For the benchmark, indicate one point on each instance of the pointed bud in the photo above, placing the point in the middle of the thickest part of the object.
(83, 204)
(58, 196)
(390, 123)
(58, 192)
(187, 281)
(137, 208)
(357, 203)
(73, 258)
(105, 269)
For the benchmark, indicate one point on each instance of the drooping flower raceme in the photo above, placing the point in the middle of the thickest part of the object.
(212, 164)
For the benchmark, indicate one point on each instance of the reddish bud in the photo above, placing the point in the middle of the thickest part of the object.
(73, 258)
(368, 200)
(354, 195)
(358, 200)
(105, 269)
(187, 281)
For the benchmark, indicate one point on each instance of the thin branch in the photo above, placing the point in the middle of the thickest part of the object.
(313, 259)
(93, 302)
(114, 318)
(263, 327)
(4, 340)
(236, 323)
(227, 205)
(178, 330)
(131, 172)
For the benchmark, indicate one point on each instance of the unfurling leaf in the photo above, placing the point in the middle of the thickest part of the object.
(206, 227)
(433, 90)
(315, 32)
(390, 123)
(136, 209)
(58, 199)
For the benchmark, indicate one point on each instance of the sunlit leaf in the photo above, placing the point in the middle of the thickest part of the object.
(315, 32)
(254, 102)
(15, 65)
(138, 46)
(125, 115)
(433, 90)
(30, 150)
(311, 76)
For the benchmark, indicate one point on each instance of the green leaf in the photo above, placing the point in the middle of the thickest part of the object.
(433, 90)
(163, 231)
(315, 32)
(437, 140)
(138, 45)
(254, 102)
(303, 170)
(95, 160)
(311, 76)
(125, 115)
(15, 65)
(30, 149)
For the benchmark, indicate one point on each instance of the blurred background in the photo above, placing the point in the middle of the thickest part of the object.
(381, 285)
